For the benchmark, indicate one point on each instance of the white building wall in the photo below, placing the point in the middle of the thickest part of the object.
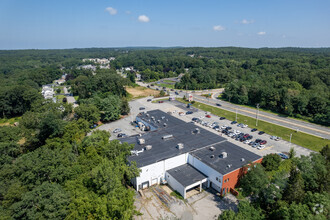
(208, 171)
(157, 170)
(175, 185)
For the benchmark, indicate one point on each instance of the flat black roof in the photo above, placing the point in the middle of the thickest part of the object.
(166, 148)
(236, 157)
(186, 174)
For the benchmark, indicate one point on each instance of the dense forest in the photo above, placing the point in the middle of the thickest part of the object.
(297, 188)
(49, 167)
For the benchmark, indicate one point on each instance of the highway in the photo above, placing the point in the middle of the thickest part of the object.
(297, 125)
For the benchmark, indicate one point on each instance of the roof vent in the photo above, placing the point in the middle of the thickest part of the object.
(141, 141)
(229, 165)
(212, 156)
(163, 117)
(223, 155)
(158, 121)
(148, 147)
(242, 159)
(196, 131)
(167, 136)
(147, 115)
(165, 124)
(212, 148)
(179, 146)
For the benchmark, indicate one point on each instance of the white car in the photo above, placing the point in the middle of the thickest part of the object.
(261, 147)
(255, 145)
(247, 142)
(244, 126)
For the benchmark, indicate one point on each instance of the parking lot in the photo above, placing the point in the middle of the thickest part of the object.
(176, 107)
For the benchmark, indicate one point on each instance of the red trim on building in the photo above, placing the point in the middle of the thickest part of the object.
(230, 180)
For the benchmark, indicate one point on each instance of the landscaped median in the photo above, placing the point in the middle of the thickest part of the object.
(299, 138)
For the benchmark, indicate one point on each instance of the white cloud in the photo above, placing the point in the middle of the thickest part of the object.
(261, 33)
(244, 21)
(111, 10)
(143, 18)
(218, 28)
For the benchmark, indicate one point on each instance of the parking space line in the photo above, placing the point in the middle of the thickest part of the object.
(266, 148)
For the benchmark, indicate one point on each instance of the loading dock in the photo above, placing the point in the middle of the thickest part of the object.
(185, 178)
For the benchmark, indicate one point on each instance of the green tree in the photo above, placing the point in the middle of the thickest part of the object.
(47, 201)
(245, 211)
(88, 112)
(271, 162)
(254, 180)
(294, 191)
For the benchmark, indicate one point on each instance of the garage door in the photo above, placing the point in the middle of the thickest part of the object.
(154, 181)
(145, 185)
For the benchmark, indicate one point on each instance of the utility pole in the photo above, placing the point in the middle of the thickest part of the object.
(257, 114)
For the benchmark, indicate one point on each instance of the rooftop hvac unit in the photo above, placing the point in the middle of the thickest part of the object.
(141, 141)
(212, 148)
(242, 159)
(148, 147)
(229, 165)
(167, 136)
(163, 117)
(212, 156)
(165, 124)
(158, 121)
(196, 131)
(179, 146)
(147, 115)
(223, 155)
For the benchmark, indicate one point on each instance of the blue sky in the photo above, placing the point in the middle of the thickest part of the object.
(43, 24)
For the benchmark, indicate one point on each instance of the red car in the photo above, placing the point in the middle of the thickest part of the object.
(160, 101)
(208, 116)
(263, 142)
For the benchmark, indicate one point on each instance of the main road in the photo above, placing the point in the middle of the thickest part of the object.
(297, 125)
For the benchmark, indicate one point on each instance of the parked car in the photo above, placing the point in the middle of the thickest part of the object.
(176, 93)
(218, 104)
(263, 142)
(255, 145)
(254, 129)
(189, 112)
(228, 128)
(283, 156)
(249, 137)
(222, 118)
(234, 122)
(261, 132)
(142, 108)
(149, 100)
(252, 143)
(240, 125)
(244, 126)
(260, 147)
(117, 130)
(181, 113)
(120, 135)
(157, 89)
(172, 89)
(258, 140)
(208, 116)
(275, 138)
(161, 102)
(246, 142)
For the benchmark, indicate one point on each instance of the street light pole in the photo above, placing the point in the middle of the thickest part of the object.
(257, 114)
(290, 139)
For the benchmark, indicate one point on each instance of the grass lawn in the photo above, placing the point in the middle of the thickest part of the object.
(304, 118)
(166, 85)
(156, 101)
(60, 97)
(9, 121)
(299, 138)
(168, 81)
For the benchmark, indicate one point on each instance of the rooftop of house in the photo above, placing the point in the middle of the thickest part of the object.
(186, 175)
(225, 156)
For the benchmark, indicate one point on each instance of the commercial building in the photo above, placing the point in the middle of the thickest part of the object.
(184, 155)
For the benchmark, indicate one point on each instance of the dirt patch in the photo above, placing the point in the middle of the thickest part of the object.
(140, 91)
